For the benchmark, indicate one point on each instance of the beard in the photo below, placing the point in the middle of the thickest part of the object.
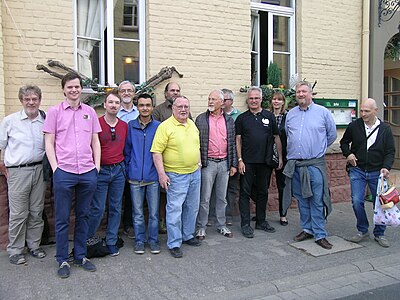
(211, 108)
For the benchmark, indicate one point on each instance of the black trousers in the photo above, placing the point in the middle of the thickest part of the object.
(260, 174)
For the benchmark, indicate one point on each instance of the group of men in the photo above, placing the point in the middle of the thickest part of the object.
(140, 150)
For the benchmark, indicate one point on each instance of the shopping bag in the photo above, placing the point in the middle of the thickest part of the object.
(388, 216)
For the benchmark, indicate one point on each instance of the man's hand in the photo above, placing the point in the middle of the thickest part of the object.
(164, 181)
(3, 169)
(232, 171)
(385, 173)
(352, 160)
(242, 167)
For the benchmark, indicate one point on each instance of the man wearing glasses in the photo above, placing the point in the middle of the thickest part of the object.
(127, 112)
(22, 141)
(176, 155)
(111, 179)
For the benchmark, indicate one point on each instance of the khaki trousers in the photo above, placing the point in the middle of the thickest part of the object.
(26, 191)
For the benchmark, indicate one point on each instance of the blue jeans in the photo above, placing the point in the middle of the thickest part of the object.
(214, 175)
(358, 181)
(183, 199)
(152, 193)
(84, 186)
(110, 185)
(312, 219)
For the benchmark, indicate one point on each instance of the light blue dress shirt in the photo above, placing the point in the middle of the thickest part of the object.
(126, 115)
(309, 132)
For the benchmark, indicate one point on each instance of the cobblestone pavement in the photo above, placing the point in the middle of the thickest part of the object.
(265, 267)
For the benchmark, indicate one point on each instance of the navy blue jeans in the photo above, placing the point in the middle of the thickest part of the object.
(84, 186)
(110, 185)
(358, 181)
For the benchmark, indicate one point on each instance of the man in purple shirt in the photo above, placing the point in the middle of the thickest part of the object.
(73, 149)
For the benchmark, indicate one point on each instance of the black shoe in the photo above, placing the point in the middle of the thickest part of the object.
(193, 242)
(302, 236)
(63, 270)
(284, 223)
(266, 227)
(176, 252)
(324, 243)
(247, 231)
(85, 264)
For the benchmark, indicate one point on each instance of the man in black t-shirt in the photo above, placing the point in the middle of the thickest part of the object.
(256, 131)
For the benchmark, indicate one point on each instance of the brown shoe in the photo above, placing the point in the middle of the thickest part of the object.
(302, 236)
(324, 243)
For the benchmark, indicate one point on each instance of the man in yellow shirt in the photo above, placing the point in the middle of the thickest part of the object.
(176, 155)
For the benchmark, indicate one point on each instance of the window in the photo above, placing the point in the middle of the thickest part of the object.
(110, 40)
(392, 97)
(272, 39)
(130, 13)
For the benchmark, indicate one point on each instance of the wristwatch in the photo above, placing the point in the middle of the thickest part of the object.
(240, 159)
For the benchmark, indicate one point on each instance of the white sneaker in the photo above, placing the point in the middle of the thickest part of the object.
(359, 237)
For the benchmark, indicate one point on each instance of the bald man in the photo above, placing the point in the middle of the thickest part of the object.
(368, 146)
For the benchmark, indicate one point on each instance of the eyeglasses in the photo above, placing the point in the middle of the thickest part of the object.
(113, 135)
(126, 91)
(182, 107)
(228, 99)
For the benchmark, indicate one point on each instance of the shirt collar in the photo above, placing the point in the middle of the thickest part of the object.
(66, 105)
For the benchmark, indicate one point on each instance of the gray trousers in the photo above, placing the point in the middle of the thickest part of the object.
(26, 190)
(217, 175)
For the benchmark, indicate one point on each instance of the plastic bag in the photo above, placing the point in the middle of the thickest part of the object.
(389, 216)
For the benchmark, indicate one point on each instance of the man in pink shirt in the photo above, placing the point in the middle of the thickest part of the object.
(73, 148)
(218, 159)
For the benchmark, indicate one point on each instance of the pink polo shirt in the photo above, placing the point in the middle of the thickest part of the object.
(218, 138)
(73, 131)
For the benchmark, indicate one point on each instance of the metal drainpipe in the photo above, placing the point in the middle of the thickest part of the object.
(365, 49)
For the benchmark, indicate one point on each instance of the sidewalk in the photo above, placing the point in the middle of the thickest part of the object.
(265, 267)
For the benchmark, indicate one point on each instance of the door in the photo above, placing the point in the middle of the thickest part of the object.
(392, 109)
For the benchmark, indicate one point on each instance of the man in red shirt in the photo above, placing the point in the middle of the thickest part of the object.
(111, 179)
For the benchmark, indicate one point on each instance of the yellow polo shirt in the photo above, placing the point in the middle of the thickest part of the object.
(179, 145)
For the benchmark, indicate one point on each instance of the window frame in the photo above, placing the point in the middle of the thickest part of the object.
(107, 17)
(280, 11)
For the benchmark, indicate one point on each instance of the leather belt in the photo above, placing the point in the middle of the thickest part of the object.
(27, 165)
(111, 165)
(217, 159)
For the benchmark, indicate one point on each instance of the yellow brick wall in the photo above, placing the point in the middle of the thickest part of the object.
(329, 46)
(47, 29)
(2, 102)
(207, 41)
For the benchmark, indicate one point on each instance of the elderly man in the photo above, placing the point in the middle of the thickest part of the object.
(218, 159)
(21, 139)
(142, 175)
(310, 130)
(127, 113)
(160, 113)
(164, 110)
(111, 179)
(368, 146)
(256, 131)
(176, 155)
(73, 149)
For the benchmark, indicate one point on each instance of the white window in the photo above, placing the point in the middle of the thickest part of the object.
(272, 39)
(110, 42)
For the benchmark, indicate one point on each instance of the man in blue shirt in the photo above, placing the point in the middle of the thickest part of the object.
(310, 130)
(128, 112)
